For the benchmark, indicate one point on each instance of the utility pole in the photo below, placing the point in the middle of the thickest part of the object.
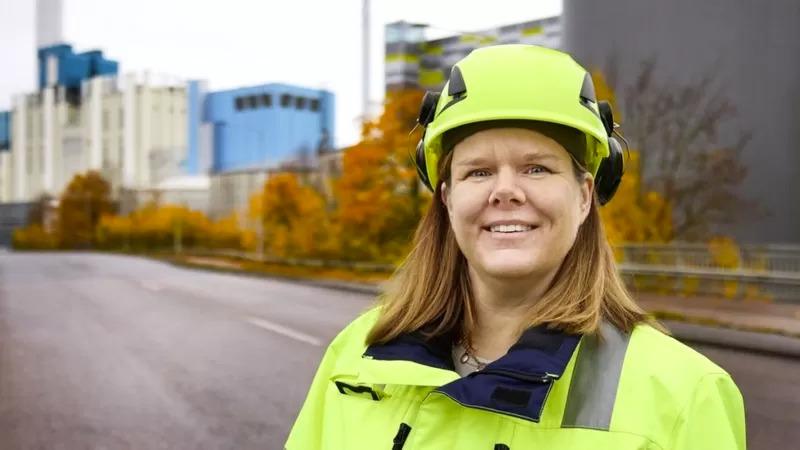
(260, 239)
(177, 242)
(365, 48)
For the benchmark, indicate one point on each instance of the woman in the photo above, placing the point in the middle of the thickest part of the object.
(508, 326)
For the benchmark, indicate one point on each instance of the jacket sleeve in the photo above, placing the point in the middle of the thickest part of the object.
(307, 432)
(713, 418)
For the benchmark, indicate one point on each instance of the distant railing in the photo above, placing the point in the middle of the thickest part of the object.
(768, 272)
(763, 258)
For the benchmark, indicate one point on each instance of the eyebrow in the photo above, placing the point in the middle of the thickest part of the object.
(479, 161)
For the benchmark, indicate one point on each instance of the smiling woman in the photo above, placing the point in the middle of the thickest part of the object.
(508, 325)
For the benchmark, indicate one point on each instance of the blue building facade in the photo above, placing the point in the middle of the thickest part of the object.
(5, 131)
(73, 68)
(259, 126)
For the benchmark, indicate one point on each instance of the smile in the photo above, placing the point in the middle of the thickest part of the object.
(510, 228)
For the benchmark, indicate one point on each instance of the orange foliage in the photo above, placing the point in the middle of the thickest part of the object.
(86, 199)
(378, 195)
(293, 217)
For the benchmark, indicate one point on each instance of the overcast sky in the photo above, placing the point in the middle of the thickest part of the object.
(234, 43)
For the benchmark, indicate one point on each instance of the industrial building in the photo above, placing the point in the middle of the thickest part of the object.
(413, 61)
(149, 135)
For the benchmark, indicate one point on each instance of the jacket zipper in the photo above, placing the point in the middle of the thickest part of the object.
(543, 379)
(401, 436)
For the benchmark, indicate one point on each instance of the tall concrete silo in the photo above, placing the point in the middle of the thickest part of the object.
(752, 49)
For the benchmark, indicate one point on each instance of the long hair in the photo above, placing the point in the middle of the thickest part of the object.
(431, 288)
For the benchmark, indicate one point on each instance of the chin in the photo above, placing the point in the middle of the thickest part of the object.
(509, 267)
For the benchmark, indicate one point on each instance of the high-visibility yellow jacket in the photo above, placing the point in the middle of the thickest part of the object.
(642, 390)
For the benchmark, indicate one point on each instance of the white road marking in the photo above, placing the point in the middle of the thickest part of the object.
(288, 332)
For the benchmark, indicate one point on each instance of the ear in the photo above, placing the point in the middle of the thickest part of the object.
(587, 195)
(445, 196)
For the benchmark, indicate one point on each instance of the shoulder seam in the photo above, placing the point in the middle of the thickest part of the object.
(690, 399)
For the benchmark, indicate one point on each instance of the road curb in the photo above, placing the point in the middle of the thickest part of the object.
(721, 336)
(750, 341)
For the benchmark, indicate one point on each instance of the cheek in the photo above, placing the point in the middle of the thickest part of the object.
(556, 203)
(465, 208)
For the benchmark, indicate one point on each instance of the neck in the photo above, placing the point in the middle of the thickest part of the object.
(501, 307)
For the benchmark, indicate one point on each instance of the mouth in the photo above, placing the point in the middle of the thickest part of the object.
(509, 229)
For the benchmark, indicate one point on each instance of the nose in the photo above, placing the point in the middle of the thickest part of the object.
(506, 190)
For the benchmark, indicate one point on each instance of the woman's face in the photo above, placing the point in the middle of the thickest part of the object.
(514, 202)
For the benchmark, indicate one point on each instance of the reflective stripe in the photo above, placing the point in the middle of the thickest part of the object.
(593, 388)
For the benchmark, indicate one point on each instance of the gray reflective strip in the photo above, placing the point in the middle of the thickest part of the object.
(593, 388)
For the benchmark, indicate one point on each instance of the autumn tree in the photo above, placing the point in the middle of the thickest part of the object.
(684, 156)
(85, 200)
(379, 198)
(293, 219)
(636, 214)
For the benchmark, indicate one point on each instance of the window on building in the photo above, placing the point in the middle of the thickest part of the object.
(266, 100)
(252, 102)
(300, 102)
(286, 100)
(314, 104)
(239, 103)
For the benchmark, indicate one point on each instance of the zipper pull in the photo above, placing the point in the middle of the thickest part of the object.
(401, 436)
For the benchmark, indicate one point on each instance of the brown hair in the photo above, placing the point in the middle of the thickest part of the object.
(431, 288)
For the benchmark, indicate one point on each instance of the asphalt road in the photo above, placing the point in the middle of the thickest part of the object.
(113, 352)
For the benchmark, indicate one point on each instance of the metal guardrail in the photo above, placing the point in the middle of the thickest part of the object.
(762, 258)
(676, 279)
(735, 283)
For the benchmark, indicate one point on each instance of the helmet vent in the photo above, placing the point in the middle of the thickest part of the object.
(456, 84)
(587, 90)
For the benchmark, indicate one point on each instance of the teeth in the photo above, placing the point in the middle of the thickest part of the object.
(510, 228)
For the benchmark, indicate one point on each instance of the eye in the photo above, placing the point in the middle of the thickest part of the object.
(537, 169)
(478, 173)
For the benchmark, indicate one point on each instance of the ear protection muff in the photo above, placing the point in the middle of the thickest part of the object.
(609, 174)
(426, 113)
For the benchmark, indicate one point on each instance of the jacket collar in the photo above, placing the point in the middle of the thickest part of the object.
(516, 384)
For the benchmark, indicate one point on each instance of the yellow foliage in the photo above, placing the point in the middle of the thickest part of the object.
(724, 252)
(604, 92)
(634, 216)
(294, 220)
(33, 237)
(86, 199)
(224, 233)
(158, 227)
(690, 285)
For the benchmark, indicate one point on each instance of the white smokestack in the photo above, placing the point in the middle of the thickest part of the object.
(365, 61)
(49, 23)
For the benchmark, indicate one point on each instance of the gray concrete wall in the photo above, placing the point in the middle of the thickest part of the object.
(12, 216)
(753, 49)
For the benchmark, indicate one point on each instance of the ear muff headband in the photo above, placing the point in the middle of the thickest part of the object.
(609, 174)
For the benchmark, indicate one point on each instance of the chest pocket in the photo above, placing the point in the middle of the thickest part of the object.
(364, 390)
(366, 412)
